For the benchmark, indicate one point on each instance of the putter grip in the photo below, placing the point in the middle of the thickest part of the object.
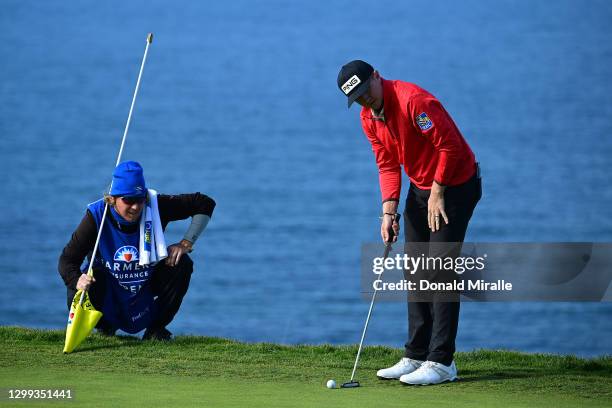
(391, 232)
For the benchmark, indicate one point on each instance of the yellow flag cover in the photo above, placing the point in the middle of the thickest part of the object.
(82, 319)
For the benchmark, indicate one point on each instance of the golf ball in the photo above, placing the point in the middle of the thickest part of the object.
(331, 384)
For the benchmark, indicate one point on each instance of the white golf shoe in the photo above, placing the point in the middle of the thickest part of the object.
(430, 372)
(404, 366)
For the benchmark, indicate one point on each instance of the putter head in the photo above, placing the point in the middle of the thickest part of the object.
(350, 384)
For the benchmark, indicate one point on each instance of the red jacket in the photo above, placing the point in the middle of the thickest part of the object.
(418, 134)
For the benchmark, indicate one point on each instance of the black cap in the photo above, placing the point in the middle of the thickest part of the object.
(354, 79)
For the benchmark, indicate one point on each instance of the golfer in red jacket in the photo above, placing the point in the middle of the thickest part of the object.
(407, 126)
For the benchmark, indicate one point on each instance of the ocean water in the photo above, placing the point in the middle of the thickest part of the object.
(239, 101)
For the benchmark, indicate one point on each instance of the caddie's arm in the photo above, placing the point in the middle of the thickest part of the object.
(178, 207)
(80, 245)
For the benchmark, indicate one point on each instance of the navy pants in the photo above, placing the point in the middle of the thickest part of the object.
(168, 283)
(432, 324)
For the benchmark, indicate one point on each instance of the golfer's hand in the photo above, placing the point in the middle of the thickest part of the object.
(176, 251)
(435, 208)
(389, 223)
(84, 282)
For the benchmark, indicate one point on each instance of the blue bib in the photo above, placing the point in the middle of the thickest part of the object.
(129, 303)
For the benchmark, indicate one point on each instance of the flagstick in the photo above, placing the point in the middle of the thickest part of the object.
(125, 132)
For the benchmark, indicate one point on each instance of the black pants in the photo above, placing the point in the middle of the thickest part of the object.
(168, 283)
(432, 325)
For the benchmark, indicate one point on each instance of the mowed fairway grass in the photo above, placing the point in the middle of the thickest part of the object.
(215, 372)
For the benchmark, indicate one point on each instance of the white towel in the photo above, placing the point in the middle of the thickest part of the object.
(152, 245)
(158, 232)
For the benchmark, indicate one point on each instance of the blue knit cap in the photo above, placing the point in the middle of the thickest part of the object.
(128, 180)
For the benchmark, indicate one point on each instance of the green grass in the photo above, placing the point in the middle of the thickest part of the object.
(215, 372)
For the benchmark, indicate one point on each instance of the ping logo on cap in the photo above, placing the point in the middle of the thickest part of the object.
(350, 84)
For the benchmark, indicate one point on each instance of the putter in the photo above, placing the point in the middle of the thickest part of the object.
(352, 383)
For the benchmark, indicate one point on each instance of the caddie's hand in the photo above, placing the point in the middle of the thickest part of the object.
(435, 209)
(389, 224)
(85, 282)
(176, 251)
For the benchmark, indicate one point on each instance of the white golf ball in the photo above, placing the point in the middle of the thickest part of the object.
(331, 384)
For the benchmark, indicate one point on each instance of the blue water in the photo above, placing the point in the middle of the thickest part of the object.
(239, 101)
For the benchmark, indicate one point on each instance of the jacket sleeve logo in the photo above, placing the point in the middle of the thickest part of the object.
(350, 84)
(424, 122)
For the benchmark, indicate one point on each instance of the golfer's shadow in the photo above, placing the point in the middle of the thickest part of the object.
(468, 375)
